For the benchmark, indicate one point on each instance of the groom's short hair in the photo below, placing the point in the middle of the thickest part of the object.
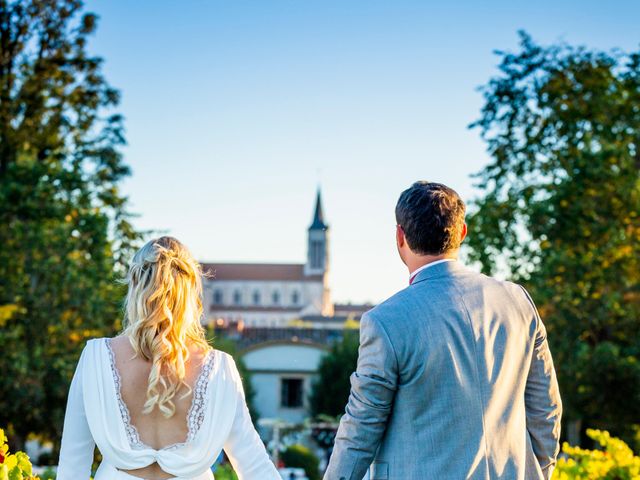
(432, 217)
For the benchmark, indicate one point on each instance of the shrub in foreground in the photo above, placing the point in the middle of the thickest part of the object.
(14, 466)
(299, 456)
(615, 461)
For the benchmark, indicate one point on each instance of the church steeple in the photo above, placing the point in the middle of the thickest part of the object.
(318, 241)
(318, 216)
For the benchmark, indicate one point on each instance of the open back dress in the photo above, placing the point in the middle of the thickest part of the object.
(218, 419)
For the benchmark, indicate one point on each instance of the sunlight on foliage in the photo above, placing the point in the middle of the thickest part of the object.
(615, 461)
(7, 311)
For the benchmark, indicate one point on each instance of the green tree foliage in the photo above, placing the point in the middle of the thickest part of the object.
(299, 456)
(330, 391)
(64, 229)
(559, 212)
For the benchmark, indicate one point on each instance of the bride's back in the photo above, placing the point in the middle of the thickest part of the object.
(154, 429)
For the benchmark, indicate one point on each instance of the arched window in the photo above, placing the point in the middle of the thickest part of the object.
(217, 297)
(237, 297)
(276, 297)
(256, 297)
(295, 298)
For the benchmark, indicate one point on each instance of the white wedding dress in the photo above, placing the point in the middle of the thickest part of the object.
(218, 419)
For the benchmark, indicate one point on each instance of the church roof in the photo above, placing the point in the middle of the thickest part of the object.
(259, 271)
(318, 215)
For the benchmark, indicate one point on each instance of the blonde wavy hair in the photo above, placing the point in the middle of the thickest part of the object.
(163, 308)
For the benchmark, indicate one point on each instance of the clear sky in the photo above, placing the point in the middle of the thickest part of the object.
(236, 110)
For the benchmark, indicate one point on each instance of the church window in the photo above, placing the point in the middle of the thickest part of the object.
(237, 297)
(256, 297)
(291, 392)
(217, 297)
(276, 297)
(295, 298)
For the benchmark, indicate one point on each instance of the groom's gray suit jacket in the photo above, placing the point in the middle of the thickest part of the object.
(454, 381)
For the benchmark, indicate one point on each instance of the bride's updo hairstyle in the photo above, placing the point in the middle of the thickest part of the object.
(163, 308)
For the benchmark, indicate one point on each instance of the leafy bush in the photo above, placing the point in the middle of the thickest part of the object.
(225, 472)
(14, 466)
(299, 456)
(48, 474)
(615, 461)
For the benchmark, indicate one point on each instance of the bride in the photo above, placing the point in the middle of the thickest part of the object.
(157, 400)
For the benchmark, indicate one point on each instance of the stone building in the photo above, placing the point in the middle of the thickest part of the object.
(268, 294)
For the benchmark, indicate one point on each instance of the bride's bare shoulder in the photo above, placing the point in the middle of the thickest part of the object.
(121, 346)
(118, 341)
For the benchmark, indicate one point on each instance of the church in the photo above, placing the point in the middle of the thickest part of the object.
(282, 319)
(272, 294)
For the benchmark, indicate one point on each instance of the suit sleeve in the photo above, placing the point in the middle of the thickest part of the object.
(244, 448)
(76, 449)
(373, 387)
(542, 400)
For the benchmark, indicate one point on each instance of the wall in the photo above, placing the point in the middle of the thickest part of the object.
(267, 312)
(269, 363)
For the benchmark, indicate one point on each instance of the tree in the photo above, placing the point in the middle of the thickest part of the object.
(559, 213)
(65, 231)
(330, 391)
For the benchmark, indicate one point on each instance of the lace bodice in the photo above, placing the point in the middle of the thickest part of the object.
(195, 415)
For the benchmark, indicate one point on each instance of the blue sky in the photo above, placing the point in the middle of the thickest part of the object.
(236, 111)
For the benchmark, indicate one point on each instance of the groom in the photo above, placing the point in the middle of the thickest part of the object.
(454, 379)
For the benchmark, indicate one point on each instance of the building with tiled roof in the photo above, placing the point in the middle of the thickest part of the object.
(272, 294)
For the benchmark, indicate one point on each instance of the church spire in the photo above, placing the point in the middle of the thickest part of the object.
(318, 216)
(317, 242)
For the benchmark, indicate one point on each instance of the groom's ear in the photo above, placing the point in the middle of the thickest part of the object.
(400, 238)
(463, 233)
